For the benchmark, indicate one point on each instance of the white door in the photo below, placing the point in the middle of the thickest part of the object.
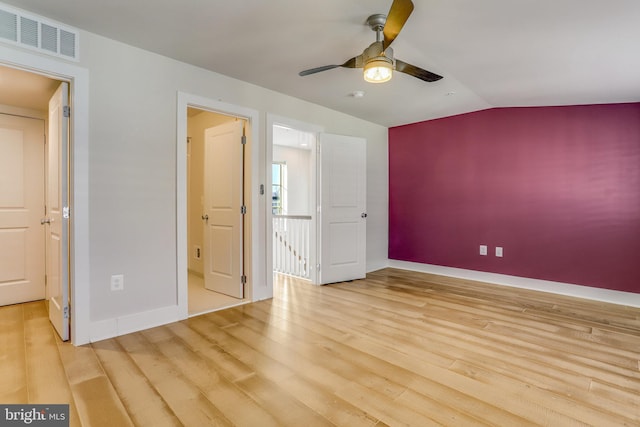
(343, 228)
(22, 257)
(223, 201)
(57, 215)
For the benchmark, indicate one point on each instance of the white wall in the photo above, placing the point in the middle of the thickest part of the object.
(298, 184)
(132, 170)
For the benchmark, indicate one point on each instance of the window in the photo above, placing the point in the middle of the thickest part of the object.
(278, 188)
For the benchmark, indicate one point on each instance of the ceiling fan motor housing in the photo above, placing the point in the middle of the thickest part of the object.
(376, 22)
(376, 52)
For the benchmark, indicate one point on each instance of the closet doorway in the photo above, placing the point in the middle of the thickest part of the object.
(34, 193)
(215, 223)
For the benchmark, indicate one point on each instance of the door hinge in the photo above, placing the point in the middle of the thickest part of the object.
(65, 313)
(262, 189)
(243, 140)
(243, 279)
(243, 210)
(66, 212)
(66, 111)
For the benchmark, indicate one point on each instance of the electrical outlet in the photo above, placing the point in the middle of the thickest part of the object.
(483, 249)
(197, 252)
(117, 282)
(499, 251)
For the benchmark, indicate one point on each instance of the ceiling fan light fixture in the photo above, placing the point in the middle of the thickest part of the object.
(378, 70)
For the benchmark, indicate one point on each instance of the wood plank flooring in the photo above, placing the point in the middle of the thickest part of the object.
(398, 348)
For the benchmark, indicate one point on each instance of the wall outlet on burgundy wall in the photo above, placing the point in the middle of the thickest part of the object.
(483, 249)
(498, 251)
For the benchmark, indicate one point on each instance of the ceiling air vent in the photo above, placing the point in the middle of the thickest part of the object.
(33, 32)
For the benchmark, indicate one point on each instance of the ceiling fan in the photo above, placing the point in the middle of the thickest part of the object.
(377, 60)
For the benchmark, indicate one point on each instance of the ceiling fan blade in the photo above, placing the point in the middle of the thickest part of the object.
(418, 72)
(317, 70)
(351, 63)
(396, 18)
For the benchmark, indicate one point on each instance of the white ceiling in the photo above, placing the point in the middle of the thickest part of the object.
(492, 53)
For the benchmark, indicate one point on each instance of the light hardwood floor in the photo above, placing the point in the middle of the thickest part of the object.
(202, 300)
(398, 348)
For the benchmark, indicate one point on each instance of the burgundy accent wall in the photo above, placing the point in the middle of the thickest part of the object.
(557, 187)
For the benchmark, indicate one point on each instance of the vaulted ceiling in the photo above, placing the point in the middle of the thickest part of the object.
(492, 53)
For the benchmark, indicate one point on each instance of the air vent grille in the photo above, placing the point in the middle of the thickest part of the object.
(29, 32)
(8, 26)
(33, 32)
(67, 43)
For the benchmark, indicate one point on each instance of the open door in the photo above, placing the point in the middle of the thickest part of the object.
(57, 211)
(343, 229)
(224, 209)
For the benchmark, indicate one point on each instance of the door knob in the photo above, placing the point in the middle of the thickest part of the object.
(205, 217)
(45, 221)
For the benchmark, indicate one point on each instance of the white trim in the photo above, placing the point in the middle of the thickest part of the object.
(256, 275)
(568, 289)
(79, 195)
(213, 310)
(105, 329)
(377, 266)
(25, 112)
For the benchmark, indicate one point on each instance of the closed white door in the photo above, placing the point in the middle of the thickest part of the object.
(22, 253)
(57, 216)
(343, 227)
(223, 201)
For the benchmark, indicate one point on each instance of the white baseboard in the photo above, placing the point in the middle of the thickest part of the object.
(568, 289)
(109, 328)
(377, 266)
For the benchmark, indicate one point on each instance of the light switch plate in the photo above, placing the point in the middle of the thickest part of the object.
(117, 282)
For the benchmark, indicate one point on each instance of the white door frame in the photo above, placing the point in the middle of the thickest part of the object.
(79, 268)
(304, 127)
(258, 287)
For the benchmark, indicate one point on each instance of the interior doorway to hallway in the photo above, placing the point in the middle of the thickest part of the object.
(327, 243)
(215, 242)
(293, 201)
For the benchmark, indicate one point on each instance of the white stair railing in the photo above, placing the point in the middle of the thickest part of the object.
(291, 245)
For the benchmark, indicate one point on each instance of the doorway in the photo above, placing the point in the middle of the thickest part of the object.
(257, 287)
(293, 201)
(78, 172)
(215, 244)
(33, 224)
(337, 223)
